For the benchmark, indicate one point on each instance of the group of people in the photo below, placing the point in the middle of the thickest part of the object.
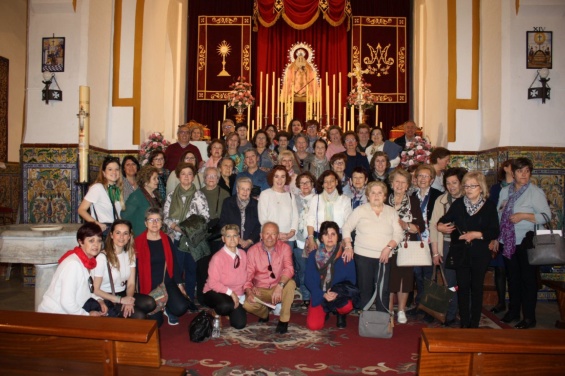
(292, 212)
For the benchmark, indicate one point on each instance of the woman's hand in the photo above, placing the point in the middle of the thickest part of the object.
(311, 245)
(182, 289)
(235, 299)
(404, 225)
(128, 300)
(518, 217)
(330, 295)
(385, 255)
(436, 259)
(347, 253)
(471, 235)
(445, 228)
(127, 309)
(103, 307)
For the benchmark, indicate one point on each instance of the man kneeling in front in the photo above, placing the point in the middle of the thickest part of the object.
(269, 277)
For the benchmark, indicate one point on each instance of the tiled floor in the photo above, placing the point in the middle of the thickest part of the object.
(14, 296)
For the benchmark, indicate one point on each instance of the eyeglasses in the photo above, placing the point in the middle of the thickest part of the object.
(158, 159)
(304, 183)
(350, 141)
(91, 284)
(423, 176)
(236, 262)
(212, 176)
(472, 186)
(190, 159)
(338, 163)
(312, 127)
(154, 220)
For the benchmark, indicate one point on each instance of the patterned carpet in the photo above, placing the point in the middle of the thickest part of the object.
(257, 350)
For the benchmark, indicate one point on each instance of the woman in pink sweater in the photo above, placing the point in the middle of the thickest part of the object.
(227, 273)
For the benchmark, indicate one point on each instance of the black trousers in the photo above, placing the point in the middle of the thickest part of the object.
(522, 284)
(177, 304)
(224, 306)
(142, 306)
(367, 268)
(470, 292)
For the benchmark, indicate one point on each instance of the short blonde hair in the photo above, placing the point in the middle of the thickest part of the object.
(481, 180)
(400, 172)
(373, 184)
(428, 167)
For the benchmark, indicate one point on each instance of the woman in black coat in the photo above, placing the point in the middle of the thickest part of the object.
(241, 210)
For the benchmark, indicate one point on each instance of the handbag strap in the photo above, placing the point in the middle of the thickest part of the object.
(110, 276)
(379, 289)
(419, 236)
(547, 223)
(440, 267)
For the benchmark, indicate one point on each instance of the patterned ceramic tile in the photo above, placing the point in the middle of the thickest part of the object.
(49, 193)
(49, 155)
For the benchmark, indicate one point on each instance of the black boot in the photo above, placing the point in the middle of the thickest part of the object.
(500, 283)
(341, 323)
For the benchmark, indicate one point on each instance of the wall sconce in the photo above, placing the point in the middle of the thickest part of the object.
(48, 94)
(543, 91)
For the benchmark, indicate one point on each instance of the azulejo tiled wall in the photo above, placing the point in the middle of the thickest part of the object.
(49, 173)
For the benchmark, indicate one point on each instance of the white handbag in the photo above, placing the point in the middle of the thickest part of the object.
(413, 253)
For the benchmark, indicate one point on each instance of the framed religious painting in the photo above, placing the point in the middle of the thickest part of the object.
(53, 54)
(539, 45)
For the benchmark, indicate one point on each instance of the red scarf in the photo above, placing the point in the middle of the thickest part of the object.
(144, 260)
(89, 263)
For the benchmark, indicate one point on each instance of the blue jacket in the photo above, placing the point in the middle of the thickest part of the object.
(342, 272)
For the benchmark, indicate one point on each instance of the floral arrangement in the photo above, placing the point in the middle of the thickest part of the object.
(240, 95)
(366, 100)
(155, 141)
(417, 151)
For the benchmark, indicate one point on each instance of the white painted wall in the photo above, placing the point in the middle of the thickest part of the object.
(13, 41)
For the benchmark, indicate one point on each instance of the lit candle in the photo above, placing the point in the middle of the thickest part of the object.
(339, 110)
(273, 99)
(327, 104)
(376, 115)
(267, 96)
(381, 126)
(352, 117)
(83, 132)
(224, 118)
(333, 96)
(219, 129)
(260, 91)
(339, 96)
(344, 115)
(253, 127)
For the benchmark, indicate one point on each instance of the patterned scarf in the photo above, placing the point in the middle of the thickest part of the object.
(330, 199)
(325, 263)
(358, 196)
(89, 263)
(507, 230)
(473, 208)
(405, 209)
(242, 205)
(320, 165)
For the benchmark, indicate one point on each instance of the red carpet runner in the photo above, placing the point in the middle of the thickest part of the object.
(257, 350)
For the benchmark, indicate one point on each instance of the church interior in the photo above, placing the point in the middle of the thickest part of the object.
(469, 73)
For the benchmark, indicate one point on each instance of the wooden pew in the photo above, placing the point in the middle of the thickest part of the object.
(559, 288)
(33, 343)
(491, 352)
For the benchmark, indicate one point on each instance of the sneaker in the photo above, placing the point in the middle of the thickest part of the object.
(173, 320)
(402, 317)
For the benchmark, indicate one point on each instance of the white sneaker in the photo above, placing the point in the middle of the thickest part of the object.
(402, 317)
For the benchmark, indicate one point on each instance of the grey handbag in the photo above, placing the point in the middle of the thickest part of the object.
(376, 324)
(549, 249)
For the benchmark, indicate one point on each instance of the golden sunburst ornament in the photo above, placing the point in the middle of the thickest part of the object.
(224, 50)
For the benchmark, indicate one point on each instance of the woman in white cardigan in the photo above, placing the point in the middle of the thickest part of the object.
(330, 204)
(279, 206)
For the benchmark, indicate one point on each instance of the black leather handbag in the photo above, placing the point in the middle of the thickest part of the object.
(200, 328)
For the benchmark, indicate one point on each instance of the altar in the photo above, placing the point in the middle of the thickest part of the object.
(39, 245)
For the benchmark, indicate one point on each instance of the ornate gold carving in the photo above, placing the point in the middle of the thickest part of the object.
(219, 95)
(401, 59)
(224, 20)
(245, 54)
(201, 57)
(224, 50)
(355, 55)
(382, 98)
(378, 20)
(379, 56)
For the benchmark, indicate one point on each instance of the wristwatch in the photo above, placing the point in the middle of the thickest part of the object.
(281, 284)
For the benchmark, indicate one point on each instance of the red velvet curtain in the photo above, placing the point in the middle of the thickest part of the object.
(330, 51)
(300, 14)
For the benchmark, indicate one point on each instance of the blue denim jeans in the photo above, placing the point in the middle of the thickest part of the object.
(188, 268)
(299, 272)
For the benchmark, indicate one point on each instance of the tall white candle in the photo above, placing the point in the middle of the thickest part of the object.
(84, 132)
(267, 97)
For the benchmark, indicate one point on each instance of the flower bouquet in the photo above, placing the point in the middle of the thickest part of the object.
(417, 151)
(240, 96)
(360, 96)
(155, 141)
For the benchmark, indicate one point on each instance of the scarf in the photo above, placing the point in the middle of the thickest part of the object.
(378, 177)
(325, 264)
(114, 193)
(154, 202)
(358, 196)
(302, 206)
(405, 210)
(89, 263)
(473, 208)
(242, 205)
(179, 208)
(507, 230)
(320, 165)
(143, 255)
(330, 199)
